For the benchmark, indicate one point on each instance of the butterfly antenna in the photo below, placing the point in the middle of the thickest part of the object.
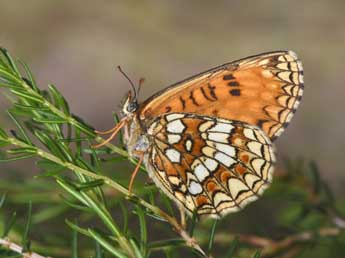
(141, 81)
(130, 81)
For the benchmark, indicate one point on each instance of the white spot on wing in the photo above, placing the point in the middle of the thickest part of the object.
(284, 76)
(174, 180)
(251, 179)
(173, 155)
(282, 66)
(210, 164)
(189, 145)
(257, 165)
(218, 137)
(281, 59)
(201, 172)
(235, 186)
(224, 159)
(255, 147)
(208, 151)
(175, 126)
(249, 133)
(227, 149)
(173, 138)
(221, 197)
(190, 175)
(171, 117)
(204, 126)
(194, 188)
(222, 128)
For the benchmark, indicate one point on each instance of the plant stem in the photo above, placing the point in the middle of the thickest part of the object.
(18, 249)
(270, 247)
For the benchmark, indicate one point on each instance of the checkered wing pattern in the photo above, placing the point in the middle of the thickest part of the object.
(209, 165)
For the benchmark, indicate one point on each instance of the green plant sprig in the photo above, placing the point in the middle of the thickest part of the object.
(52, 124)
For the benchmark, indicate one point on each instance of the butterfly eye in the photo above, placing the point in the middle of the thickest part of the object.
(132, 106)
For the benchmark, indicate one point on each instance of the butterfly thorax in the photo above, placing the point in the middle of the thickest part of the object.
(134, 138)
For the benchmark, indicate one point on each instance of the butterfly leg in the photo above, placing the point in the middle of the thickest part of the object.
(136, 170)
(113, 132)
(106, 132)
(183, 217)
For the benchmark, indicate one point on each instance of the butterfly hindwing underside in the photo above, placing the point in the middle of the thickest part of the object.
(214, 166)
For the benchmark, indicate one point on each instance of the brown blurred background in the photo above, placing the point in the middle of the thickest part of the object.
(77, 45)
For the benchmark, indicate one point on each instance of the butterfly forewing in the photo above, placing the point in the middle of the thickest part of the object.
(262, 90)
(209, 165)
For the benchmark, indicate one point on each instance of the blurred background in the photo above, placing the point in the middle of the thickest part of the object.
(77, 45)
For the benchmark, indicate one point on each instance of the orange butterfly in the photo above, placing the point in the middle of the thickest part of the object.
(207, 141)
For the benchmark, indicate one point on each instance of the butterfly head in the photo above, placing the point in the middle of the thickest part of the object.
(130, 105)
(131, 102)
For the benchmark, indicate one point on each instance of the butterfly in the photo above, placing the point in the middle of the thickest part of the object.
(206, 141)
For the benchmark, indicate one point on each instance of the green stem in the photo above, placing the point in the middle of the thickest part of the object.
(18, 249)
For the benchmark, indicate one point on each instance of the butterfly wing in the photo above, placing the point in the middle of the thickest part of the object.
(263, 90)
(209, 165)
